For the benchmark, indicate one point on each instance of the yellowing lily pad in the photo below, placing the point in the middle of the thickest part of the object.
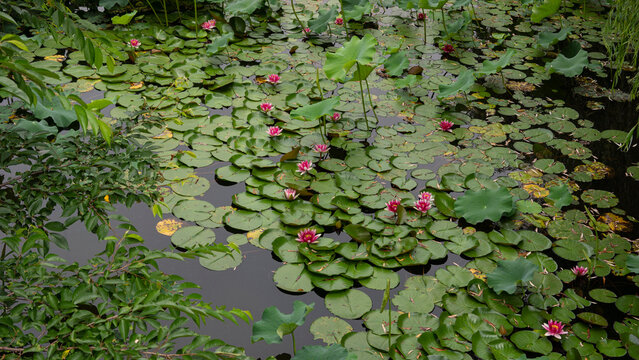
(168, 226)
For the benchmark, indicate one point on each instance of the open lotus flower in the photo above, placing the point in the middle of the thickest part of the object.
(339, 21)
(422, 205)
(290, 194)
(308, 236)
(208, 25)
(304, 166)
(274, 131)
(135, 43)
(426, 196)
(392, 205)
(336, 116)
(273, 78)
(448, 48)
(266, 107)
(446, 125)
(580, 271)
(554, 328)
(321, 148)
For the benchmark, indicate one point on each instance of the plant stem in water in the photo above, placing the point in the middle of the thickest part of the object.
(424, 19)
(323, 118)
(370, 100)
(293, 336)
(154, 13)
(361, 93)
(196, 22)
(444, 21)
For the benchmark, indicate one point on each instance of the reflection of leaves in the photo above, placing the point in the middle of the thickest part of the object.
(274, 325)
(509, 272)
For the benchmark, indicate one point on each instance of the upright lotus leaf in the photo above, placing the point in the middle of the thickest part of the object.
(464, 81)
(422, 4)
(544, 10)
(547, 38)
(219, 43)
(485, 204)
(317, 352)
(274, 325)
(355, 9)
(492, 67)
(56, 108)
(317, 110)
(396, 63)
(242, 7)
(354, 51)
(571, 61)
(323, 19)
(123, 19)
(460, 23)
(509, 273)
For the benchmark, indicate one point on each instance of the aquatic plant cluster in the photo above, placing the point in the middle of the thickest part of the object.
(422, 130)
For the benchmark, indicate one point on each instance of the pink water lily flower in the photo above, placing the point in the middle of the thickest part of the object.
(274, 131)
(422, 205)
(321, 148)
(554, 328)
(290, 194)
(135, 43)
(392, 205)
(307, 30)
(273, 78)
(446, 125)
(580, 271)
(421, 16)
(208, 25)
(266, 107)
(426, 196)
(308, 236)
(336, 116)
(304, 166)
(339, 21)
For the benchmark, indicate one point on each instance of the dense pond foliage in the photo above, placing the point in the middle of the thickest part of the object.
(368, 137)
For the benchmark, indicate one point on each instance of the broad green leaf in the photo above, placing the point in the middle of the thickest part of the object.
(544, 10)
(509, 273)
(464, 81)
(124, 19)
(219, 43)
(571, 62)
(355, 9)
(354, 51)
(396, 64)
(242, 7)
(491, 67)
(322, 21)
(330, 329)
(332, 352)
(317, 110)
(547, 38)
(274, 324)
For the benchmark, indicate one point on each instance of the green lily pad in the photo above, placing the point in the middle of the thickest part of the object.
(294, 278)
(192, 236)
(330, 329)
(485, 204)
(348, 304)
(333, 352)
(509, 273)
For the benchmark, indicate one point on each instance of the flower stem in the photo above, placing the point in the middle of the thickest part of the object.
(293, 336)
(297, 17)
(323, 118)
(196, 22)
(424, 20)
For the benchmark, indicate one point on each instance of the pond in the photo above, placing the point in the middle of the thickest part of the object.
(442, 179)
